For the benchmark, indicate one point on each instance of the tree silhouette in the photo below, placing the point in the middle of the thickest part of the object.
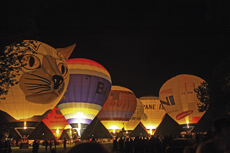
(203, 95)
(216, 91)
(10, 64)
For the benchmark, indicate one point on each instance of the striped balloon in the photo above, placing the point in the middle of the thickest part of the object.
(118, 109)
(88, 90)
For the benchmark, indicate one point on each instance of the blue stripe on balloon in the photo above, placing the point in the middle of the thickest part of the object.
(86, 88)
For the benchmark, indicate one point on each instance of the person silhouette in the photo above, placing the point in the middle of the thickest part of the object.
(51, 145)
(115, 145)
(121, 144)
(35, 147)
(46, 144)
(64, 143)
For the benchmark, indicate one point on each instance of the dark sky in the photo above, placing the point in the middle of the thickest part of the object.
(141, 43)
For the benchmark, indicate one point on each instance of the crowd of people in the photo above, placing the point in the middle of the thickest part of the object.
(137, 145)
(215, 141)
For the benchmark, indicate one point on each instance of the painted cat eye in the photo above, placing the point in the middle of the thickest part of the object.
(63, 69)
(30, 62)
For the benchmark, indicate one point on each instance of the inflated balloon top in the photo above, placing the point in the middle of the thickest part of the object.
(118, 109)
(34, 77)
(89, 87)
(179, 99)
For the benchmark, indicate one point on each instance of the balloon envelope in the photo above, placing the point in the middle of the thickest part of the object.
(136, 118)
(118, 109)
(153, 111)
(42, 76)
(89, 87)
(55, 121)
(179, 99)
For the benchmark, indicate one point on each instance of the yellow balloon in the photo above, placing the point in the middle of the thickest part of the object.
(153, 111)
(179, 99)
(136, 118)
(42, 77)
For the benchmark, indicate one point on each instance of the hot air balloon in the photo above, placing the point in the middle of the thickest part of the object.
(136, 118)
(89, 87)
(72, 133)
(179, 99)
(34, 77)
(154, 112)
(55, 121)
(118, 109)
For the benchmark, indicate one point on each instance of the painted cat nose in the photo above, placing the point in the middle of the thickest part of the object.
(57, 79)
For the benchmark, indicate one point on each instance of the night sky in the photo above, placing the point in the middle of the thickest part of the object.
(142, 44)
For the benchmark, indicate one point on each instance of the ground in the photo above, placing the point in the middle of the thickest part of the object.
(59, 148)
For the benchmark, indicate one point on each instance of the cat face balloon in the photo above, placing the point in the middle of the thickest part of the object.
(37, 79)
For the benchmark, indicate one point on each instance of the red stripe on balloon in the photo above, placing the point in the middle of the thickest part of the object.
(83, 61)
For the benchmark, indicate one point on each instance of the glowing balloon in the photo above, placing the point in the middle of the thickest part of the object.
(118, 109)
(179, 99)
(34, 77)
(136, 118)
(88, 89)
(55, 121)
(154, 112)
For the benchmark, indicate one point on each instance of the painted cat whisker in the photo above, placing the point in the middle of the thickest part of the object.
(35, 88)
(37, 84)
(41, 91)
(40, 77)
(39, 80)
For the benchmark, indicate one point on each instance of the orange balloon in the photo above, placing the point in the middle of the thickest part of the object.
(118, 109)
(55, 121)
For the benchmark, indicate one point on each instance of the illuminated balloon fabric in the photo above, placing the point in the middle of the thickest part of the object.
(179, 99)
(153, 110)
(89, 87)
(136, 118)
(55, 121)
(42, 78)
(118, 109)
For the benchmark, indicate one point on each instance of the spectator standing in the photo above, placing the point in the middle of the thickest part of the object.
(50, 145)
(46, 144)
(131, 145)
(64, 143)
(127, 146)
(121, 145)
(35, 147)
(115, 145)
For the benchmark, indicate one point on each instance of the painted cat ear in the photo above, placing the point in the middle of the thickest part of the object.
(66, 52)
